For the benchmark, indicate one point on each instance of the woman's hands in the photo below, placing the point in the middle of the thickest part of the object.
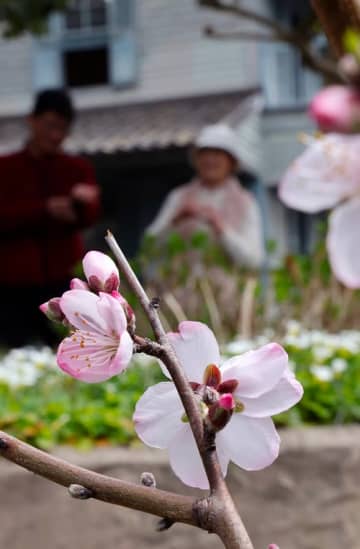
(198, 211)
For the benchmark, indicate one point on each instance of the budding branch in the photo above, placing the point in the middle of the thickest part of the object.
(215, 513)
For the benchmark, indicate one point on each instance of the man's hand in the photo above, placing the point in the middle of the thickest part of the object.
(83, 192)
(61, 208)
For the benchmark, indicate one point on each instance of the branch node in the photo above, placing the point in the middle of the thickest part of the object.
(203, 514)
(164, 524)
(148, 479)
(3, 444)
(80, 492)
(155, 303)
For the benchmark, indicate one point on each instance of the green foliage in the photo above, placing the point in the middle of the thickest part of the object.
(352, 42)
(325, 401)
(60, 410)
(22, 16)
(53, 409)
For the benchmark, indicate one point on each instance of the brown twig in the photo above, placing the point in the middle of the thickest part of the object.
(104, 488)
(215, 513)
(279, 32)
(221, 516)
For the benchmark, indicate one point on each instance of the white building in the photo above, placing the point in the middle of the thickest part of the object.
(145, 79)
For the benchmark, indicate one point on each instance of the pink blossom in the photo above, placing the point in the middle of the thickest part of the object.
(325, 175)
(100, 346)
(336, 109)
(101, 272)
(261, 385)
(273, 546)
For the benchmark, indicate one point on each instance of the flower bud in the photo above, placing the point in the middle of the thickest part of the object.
(101, 272)
(52, 310)
(273, 546)
(128, 310)
(77, 284)
(228, 386)
(221, 411)
(212, 376)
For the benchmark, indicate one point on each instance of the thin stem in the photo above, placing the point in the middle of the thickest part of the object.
(220, 515)
(323, 65)
(104, 488)
(167, 354)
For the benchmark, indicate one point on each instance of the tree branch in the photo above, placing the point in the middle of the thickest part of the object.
(221, 516)
(324, 66)
(240, 35)
(104, 488)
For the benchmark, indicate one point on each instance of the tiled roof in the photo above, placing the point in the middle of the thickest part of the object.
(153, 125)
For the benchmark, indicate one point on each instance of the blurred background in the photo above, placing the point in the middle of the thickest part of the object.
(146, 77)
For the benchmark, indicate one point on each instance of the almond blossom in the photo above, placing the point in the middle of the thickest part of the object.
(99, 346)
(249, 388)
(324, 176)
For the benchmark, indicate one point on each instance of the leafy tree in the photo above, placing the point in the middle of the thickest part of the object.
(20, 16)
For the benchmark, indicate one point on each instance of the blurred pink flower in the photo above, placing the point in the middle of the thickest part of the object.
(325, 175)
(101, 272)
(336, 109)
(259, 383)
(100, 346)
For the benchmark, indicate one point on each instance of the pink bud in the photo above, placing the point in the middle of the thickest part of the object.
(220, 412)
(128, 310)
(77, 284)
(227, 401)
(336, 109)
(101, 272)
(212, 376)
(52, 310)
(228, 386)
(273, 546)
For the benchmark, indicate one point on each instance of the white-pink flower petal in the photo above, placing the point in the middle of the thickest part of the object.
(158, 414)
(343, 242)
(322, 176)
(251, 443)
(81, 310)
(196, 347)
(100, 347)
(283, 396)
(256, 371)
(112, 312)
(186, 462)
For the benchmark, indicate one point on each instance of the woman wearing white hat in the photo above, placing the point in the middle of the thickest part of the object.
(215, 201)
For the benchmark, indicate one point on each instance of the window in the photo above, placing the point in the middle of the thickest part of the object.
(286, 82)
(86, 14)
(86, 67)
(92, 44)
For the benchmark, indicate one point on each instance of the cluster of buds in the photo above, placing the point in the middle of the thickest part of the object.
(100, 319)
(217, 401)
(102, 275)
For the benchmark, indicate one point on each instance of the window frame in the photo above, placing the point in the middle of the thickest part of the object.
(119, 36)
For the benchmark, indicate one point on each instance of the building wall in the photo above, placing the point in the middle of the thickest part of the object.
(174, 59)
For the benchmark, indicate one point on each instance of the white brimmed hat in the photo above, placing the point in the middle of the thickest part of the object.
(219, 136)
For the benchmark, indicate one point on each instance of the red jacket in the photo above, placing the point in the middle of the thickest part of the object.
(36, 249)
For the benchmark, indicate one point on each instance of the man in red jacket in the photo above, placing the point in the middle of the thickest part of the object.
(46, 198)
